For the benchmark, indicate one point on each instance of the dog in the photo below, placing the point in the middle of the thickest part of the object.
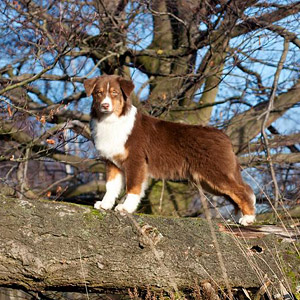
(136, 146)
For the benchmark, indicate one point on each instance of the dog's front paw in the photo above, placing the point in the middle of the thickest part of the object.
(247, 220)
(121, 209)
(103, 205)
(130, 204)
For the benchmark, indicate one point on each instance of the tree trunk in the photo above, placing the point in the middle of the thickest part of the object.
(60, 246)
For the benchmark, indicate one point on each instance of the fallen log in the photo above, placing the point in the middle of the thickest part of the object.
(48, 245)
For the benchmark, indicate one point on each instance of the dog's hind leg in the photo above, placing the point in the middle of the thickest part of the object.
(235, 189)
(243, 196)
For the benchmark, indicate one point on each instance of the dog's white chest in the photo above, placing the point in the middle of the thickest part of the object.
(111, 133)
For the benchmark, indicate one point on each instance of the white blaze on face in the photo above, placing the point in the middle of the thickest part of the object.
(106, 104)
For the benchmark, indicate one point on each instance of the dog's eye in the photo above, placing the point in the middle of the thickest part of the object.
(114, 93)
(100, 93)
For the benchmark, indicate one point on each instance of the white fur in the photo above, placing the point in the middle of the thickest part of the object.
(253, 199)
(113, 189)
(144, 187)
(130, 204)
(107, 100)
(247, 220)
(111, 133)
(132, 201)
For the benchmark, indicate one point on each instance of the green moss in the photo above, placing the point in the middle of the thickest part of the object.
(175, 199)
(98, 213)
(294, 278)
(75, 204)
(142, 215)
(267, 219)
(178, 296)
(150, 63)
(94, 214)
(291, 266)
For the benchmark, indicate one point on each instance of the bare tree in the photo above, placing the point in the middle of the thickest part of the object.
(201, 62)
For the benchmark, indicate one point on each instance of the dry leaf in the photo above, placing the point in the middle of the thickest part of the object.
(9, 110)
(43, 119)
(58, 189)
(50, 141)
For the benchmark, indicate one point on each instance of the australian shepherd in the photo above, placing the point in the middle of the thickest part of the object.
(136, 146)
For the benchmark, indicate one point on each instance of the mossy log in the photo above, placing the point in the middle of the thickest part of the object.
(48, 245)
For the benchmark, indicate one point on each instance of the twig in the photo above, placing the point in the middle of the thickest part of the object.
(99, 62)
(24, 185)
(33, 78)
(161, 195)
(209, 291)
(82, 271)
(138, 94)
(264, 124)
(165, 13)
(263, 289)
(54, 184)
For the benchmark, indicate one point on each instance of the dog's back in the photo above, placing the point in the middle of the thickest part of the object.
(178, 151)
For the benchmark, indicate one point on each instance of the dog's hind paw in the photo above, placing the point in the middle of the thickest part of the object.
(247, 220)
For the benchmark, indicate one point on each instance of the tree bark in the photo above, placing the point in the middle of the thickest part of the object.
(58, 246)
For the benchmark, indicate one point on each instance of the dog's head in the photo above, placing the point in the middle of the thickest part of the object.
(110, 94)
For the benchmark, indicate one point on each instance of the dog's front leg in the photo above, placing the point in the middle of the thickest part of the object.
(136, 183)
(114, 186)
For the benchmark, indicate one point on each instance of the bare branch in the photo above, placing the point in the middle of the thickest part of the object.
(269, 108)
(33, 78)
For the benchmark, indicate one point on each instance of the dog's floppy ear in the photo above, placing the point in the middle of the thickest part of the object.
(127, 86)
(89, 85)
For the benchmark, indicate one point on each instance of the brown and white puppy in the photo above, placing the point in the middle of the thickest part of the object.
(136, 146)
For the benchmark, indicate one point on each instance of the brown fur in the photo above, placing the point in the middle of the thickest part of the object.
(177, 151)
(111, 171)
(167, 150)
